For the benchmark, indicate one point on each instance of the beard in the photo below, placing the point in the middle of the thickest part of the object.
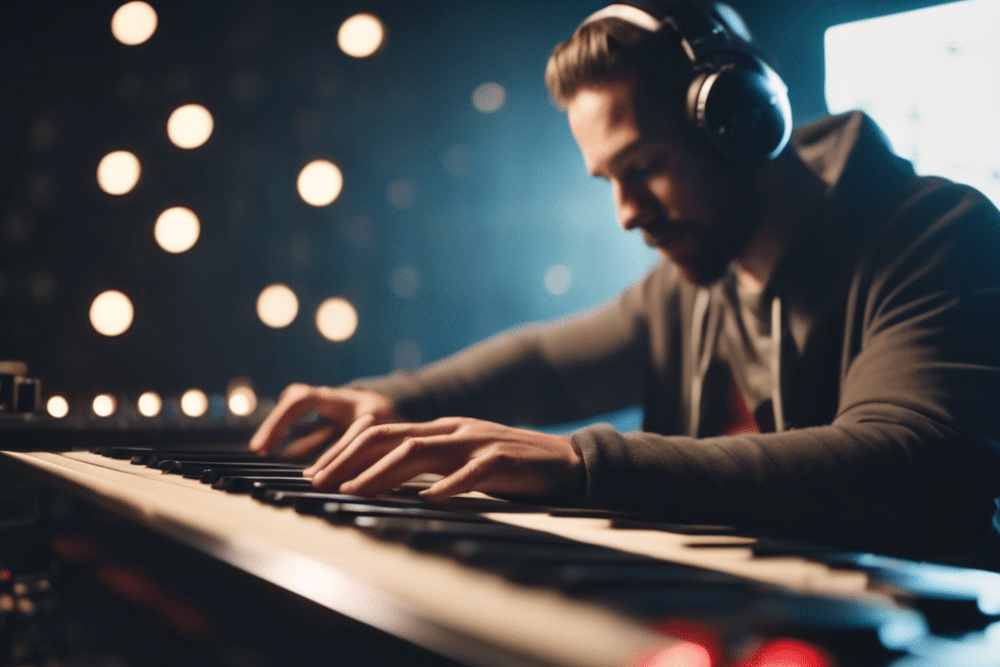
(703, 248)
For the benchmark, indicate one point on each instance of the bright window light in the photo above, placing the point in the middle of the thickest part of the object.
(928, 78)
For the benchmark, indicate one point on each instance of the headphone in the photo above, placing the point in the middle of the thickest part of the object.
(735, 99)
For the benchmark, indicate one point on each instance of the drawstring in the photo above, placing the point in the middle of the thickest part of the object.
(705, 346)
(776, 345)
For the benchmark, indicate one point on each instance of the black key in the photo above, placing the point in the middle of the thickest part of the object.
(534, 549)
(433, 533)
(211, 474)
(341, 512)
(248, 484)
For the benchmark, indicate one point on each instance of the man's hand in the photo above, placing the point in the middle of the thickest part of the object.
(472, 455)
(342, 409)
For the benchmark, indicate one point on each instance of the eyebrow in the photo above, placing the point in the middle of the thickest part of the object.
(615, 161)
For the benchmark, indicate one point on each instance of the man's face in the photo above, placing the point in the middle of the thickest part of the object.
(690, 204)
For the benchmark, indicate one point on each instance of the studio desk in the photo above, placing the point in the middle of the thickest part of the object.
(480, 581)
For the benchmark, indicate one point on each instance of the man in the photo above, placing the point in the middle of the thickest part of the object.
(815, 354)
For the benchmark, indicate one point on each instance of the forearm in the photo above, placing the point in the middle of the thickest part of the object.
(879, 486)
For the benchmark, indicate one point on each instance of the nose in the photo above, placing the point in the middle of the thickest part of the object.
(632, 205)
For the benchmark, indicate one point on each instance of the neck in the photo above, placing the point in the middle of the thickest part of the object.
(793, 193)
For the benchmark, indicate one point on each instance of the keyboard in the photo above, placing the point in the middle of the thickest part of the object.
(485, 581)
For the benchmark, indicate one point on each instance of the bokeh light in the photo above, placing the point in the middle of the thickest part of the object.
(118, 172)
(149, 404)
(104, 405)
(133, 23)
(240, 397)
(686, 654)
(190, 126)
(194, 403)
(404, 281)
(57, 406)
(489, 97)
(558, 278)
(111, 313)
(277, 306)
(336, 319)
(361, 35)
(177, 229)
(320, 182)
(402, 194)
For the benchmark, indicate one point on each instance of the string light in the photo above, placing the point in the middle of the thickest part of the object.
(177, 229)
(149, 404)
(133, 23)
(104, 405)
(277, 306)
(320, 182)
(118, 172)
(194, 403)
(57, 406)
(190, 126)
(336, 319)
(111, 313)
(361, 35)
(241, 398)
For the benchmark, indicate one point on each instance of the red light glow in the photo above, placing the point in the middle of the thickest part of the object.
(789, 653)
(686, 654)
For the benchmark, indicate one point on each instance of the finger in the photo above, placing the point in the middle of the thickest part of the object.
(302, 447)
(470, 477)
(294, 402)
(413, 456)
(352, 432)
(367, 448)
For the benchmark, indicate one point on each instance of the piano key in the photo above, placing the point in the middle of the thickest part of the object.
(428, 533)
(345, 512)
(260, 483)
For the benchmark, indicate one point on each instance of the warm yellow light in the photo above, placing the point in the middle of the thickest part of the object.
(133, 23)
(320, 182)
(177, 229)
(489, 97)
(242, 399)
(194, 403)
(336, 319)
(361, 35)
(118, 172)
(104, 405)
(277, 306)
(57, 406)
(190, 126)
(111, 313)
(149, 404)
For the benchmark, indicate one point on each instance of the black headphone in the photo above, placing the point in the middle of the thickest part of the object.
(736, 100)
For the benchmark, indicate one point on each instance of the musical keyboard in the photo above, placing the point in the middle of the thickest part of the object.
(483, 581)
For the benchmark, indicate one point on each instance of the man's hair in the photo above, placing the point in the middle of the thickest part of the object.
(611, 49)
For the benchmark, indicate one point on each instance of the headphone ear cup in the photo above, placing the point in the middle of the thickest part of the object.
(743, 111)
